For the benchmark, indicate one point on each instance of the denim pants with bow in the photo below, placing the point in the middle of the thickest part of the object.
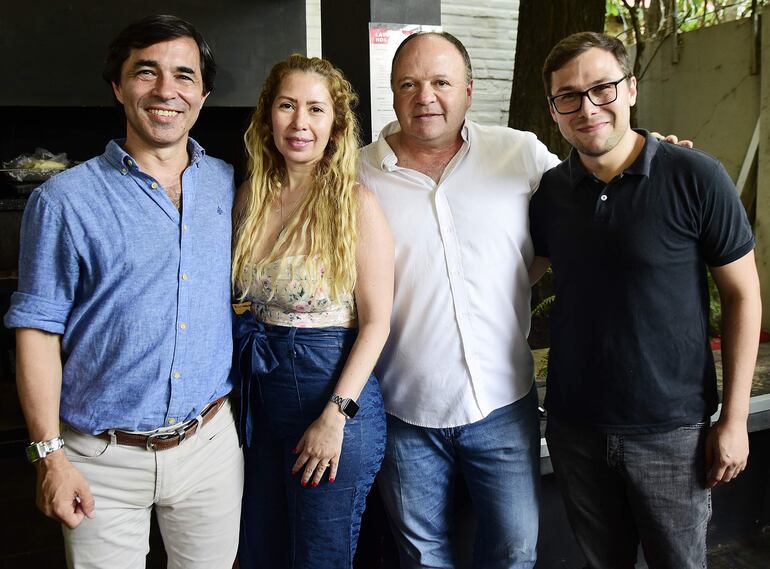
(284, 525)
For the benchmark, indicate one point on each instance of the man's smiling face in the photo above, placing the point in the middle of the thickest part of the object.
(594, 130)
(161, 90)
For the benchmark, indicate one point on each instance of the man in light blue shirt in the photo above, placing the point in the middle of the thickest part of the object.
(124, 325)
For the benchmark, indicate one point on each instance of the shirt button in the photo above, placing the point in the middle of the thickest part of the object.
(129, 162)
(603, 197)
(177, 375)
(123, 170)
(183, 326)
(184, 276)
(185, 227)
(154, 185)
(171, 421)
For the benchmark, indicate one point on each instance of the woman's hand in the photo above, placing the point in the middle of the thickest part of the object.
(320, 447)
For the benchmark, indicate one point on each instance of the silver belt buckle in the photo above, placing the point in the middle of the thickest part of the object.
(150, 445)
(178, 432)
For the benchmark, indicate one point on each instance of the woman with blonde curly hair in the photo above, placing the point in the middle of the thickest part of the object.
(314, 255)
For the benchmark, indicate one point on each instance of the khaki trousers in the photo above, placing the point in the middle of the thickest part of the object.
(195, 489)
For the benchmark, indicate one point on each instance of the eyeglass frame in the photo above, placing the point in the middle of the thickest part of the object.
(586, 93)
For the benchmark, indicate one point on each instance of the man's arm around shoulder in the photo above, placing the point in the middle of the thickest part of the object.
(727, 446)
(62, 492)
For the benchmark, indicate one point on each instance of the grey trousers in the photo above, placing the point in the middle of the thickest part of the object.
(620, 490)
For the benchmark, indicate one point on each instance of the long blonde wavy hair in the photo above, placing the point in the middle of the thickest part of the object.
(324, 225)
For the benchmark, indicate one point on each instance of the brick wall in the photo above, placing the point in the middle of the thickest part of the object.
(488, 31)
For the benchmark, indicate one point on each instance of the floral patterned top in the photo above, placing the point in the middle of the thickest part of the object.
(288, 295)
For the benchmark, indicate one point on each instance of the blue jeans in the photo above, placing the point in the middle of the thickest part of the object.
(284, 525)
(623, 489)
(499, 458)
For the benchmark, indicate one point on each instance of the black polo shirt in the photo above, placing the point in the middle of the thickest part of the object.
(629, 327)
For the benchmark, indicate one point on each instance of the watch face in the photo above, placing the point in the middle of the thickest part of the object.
(350, 409)
(33, 453)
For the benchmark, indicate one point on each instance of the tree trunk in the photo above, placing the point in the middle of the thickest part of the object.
(542, 23)
(653, 19)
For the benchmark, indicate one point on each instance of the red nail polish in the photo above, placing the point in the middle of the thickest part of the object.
(331, 480)
(294, 450)
(304, 483)
(314, 484)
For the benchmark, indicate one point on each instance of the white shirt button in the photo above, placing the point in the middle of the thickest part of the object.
(154, 185)
(177, 375)
(603, 197)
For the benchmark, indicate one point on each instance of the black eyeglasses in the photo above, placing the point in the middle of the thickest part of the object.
(599, 95)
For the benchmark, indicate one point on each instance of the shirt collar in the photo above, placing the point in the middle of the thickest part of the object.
(640, 167)
(385, 155)
(123, 161)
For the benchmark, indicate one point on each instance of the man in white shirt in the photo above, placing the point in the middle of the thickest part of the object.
(457, 373)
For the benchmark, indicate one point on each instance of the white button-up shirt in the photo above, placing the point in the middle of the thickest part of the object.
(458, 343)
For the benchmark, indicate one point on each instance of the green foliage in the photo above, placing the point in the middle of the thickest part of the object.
(689, 15)
(544, 306)
(612, 9)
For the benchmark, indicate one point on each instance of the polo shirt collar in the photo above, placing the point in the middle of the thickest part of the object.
(120, 159)
(386, 157)
(641, 166)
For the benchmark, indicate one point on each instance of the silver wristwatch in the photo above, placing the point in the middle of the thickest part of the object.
(36, 451)
(348, 407)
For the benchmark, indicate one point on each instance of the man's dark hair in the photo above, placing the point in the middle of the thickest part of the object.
(149, 31)
(448, 37)
(576, 44)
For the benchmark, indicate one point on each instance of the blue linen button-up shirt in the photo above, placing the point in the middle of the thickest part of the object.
(138, 291)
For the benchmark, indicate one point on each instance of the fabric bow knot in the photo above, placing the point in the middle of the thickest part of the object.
(254, 358)
(251, 339)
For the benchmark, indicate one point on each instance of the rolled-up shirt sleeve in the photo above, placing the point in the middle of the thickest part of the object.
(48, 269)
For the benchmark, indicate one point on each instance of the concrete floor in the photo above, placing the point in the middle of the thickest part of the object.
(752, 554)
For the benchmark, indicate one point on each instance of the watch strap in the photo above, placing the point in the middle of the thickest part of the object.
(347, 406)
(37, 450)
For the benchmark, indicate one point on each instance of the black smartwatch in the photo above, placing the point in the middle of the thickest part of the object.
(348, 407)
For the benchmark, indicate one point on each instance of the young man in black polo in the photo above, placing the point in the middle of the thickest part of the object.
(631, 225)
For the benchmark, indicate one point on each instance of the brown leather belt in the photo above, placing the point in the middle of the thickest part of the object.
(166, 439)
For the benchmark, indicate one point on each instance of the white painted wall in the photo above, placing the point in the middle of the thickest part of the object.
(488, 31)
(762, 223)
(313, 17)
(709, 96)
